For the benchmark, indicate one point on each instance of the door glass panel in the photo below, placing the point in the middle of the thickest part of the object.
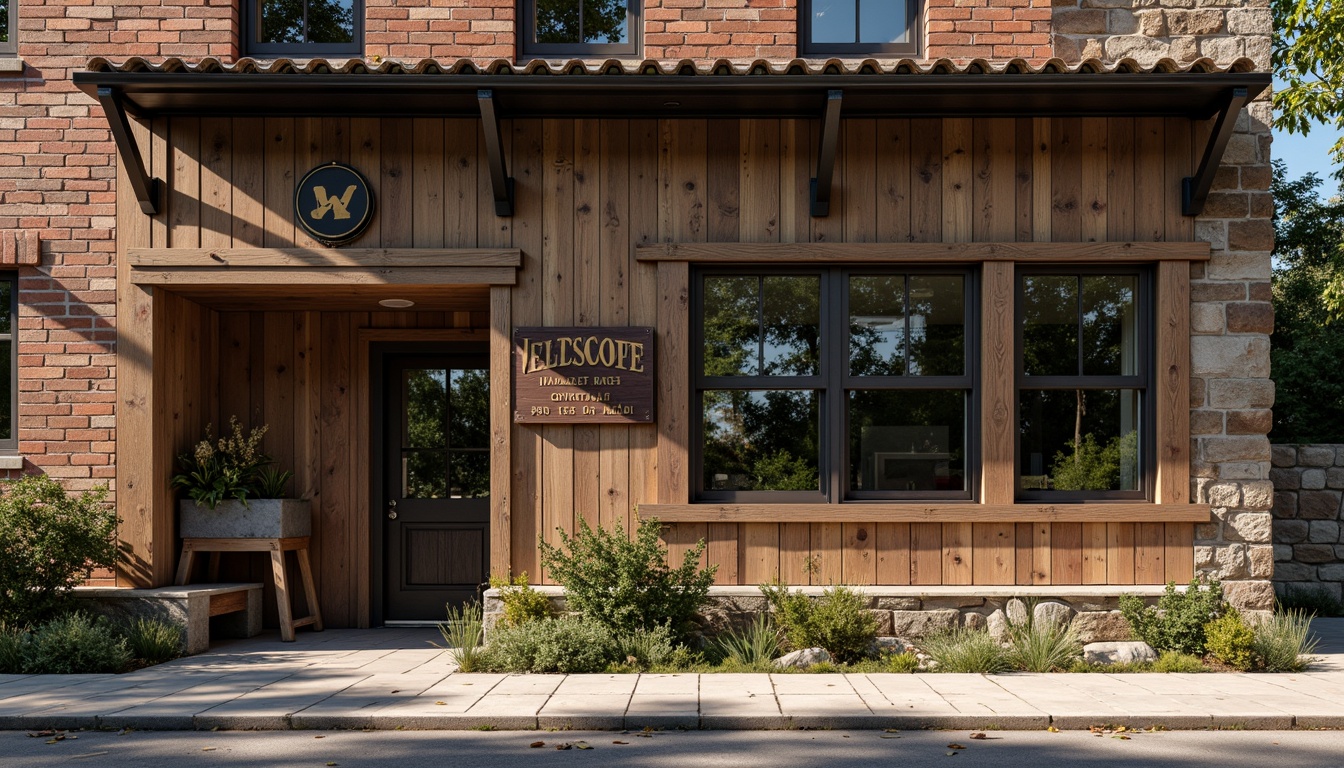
(907, 440)
(424, 474)
(470, 474)
(732, 326)
(1050, 325)
(469, 408)
(937, 325)
(426, 391)
(877, 325)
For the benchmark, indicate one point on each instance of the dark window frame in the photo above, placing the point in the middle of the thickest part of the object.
(914, 21)
(10, 46)
(833, 383)
(528, 48)
(1143, 381)
(10, 445)
(251, 11)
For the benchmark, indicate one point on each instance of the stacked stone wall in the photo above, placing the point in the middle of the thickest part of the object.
(1308, 519)
(1146, 31)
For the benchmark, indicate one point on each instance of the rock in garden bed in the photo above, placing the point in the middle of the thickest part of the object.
(1118, 653)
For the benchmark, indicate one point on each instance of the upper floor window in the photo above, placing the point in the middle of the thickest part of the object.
(9, 366)
(579, 27)
(8, 27)
(859, 27)
(1083, 383)
(305, 28)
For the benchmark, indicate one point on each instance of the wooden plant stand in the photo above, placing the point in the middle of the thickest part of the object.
(277, 548)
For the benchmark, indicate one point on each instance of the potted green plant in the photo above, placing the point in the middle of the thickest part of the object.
(235, 491)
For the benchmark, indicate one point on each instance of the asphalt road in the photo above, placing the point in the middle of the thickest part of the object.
(693, 749)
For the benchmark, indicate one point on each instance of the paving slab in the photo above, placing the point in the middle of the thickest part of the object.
(514, 711)
(584, 712)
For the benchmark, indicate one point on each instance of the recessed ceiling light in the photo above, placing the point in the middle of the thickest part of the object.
(397, 303)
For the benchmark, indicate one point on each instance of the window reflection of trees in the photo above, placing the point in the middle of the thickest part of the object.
(761, 440)
(446, 433)
(325, 21)
(581, 21)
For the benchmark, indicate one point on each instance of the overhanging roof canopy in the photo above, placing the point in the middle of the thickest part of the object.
(626, 89)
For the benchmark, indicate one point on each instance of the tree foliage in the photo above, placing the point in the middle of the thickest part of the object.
(1308, 339)
(1309, 60)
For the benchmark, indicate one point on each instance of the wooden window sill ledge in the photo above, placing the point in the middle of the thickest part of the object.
(1098, 512)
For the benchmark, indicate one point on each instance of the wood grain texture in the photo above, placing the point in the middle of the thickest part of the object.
(1172, 397)
(998, 392)
(916, 512)
(223, 257)
(936, 253)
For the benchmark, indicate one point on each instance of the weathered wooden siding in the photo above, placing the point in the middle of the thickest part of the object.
(587, 192)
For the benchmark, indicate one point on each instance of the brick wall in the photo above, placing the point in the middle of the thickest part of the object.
(439, 29)
(1308, 545)
(988, 29)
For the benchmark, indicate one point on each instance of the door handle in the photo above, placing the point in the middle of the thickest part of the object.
(392, 509)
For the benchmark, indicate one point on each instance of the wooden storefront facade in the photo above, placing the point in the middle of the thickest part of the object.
(225, 307)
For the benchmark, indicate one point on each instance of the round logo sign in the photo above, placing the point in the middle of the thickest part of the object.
(333, 203)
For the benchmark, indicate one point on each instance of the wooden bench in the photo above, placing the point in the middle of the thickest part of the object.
(190, 606)
(277, 547)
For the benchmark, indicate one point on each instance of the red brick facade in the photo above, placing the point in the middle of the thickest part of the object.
(994, 30)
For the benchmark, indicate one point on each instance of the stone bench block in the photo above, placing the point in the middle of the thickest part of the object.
(190, 607)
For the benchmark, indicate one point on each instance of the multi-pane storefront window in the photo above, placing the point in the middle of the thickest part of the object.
(833, 384)
(1083, 385)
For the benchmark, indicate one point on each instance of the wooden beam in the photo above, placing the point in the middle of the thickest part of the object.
(501, 427)
(1173, 383)
(323, 257)
(955, 253)
(998, 396)
(324, 276)
(926, 513)
(367, 335)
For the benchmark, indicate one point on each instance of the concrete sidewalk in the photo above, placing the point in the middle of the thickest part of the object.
(394, 678)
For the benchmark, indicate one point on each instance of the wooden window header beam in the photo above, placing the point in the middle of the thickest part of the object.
(1098, 512)
(936, 253)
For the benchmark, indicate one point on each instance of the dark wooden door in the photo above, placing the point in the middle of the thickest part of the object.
(436, 479)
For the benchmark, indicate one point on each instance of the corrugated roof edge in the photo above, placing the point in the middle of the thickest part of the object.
(685, 67)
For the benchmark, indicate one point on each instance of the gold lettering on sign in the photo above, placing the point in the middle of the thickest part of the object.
(338, 206)
(593, 351)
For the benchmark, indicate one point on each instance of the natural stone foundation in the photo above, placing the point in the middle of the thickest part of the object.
(916, 612)
(1308, 513)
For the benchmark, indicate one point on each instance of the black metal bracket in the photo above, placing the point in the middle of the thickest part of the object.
(1195, 189)
(500, 180)
(830, 136)
(147, 189)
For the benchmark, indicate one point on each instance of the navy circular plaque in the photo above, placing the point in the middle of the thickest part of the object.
(333, 203)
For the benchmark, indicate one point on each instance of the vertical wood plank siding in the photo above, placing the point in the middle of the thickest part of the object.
(587, 192)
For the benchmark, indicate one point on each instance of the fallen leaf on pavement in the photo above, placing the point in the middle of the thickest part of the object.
(620, 742)
(441, 703)
(91, 754)
(537, 744)
(1120, 736)
(888, 736)
(953, 754)
(1052, 729)
(319, 737)
(581, 745)
(207, 749)
(564, 745)
(979, 736)
(955, 746)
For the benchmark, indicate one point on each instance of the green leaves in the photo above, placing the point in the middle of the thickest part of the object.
(1308, 56)
(234, 467)
(1179, 620)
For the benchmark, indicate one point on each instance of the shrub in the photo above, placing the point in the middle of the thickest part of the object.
(227, 468)
(1230, 641)
(51, 541)
(152, 640)
(1042, 646)
(625, 583)
(647, 648)
(11, 649)
(967, 650)
(836, 622)
(1315, 601)
(757, 644)
(901, 663)
(1174, 661)
(570, 644)
(522, 603)
(463, 632)
(75, 644)
(1177, 623)
(1283, 642)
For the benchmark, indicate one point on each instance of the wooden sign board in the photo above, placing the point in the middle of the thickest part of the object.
(583, 375)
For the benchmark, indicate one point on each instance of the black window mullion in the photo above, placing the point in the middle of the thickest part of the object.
(760, 326)
(834, 338)
(1078, 325)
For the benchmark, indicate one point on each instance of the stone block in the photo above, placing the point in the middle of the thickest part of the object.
(1227, 205)
(1258, 49)
(1262, 561)
(1339, 455)
(1250, 317)
(1186, 49)
(1318, 505)
(1330, 572)
(1257, 495)
(1145, 50)
(1241, 393)
(1283, 455)
(923, 623)
(1256, 177)
(1313, 553)
(1285, 504)
(1223, 50)
(1291, 531)
(1204, 422)
(997, 625)
(1052, 613)
(802, 658)
(898, 603)
(1207, 532)
(1313, 589)
(1334, 477)
(1218, 356)
(1249, 22)
(1313, 479)
(1257, 422)
(1242, 470)
(1221, 494)
(1118, 653)
(1285, 479)
(1315, 455)
(1200, 22)
(1339, 551)
(1242, 149)
(1079, 22)
(1323, 532)
(1204, 559)
(1230, 562)
(1239, 265)
(1207, 318)
(1240, 448)
(1283, 553)
(1290, 571)
(1253, 527)
(1250, 595)
(1122, 22)
(1101, 627)
(975, 621)
(883, 619)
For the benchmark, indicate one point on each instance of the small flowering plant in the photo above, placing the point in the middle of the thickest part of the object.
(230, 467)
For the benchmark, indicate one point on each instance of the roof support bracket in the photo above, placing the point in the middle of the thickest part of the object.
(147, 189)
(500, 180)
(830, 136)
(1195, 189)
